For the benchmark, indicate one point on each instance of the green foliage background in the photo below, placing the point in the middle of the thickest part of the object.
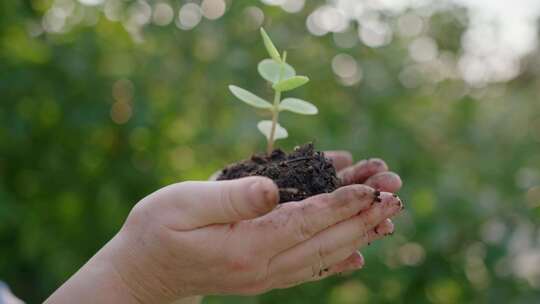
(69, 173)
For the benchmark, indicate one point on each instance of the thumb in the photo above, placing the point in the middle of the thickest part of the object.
(219, 202)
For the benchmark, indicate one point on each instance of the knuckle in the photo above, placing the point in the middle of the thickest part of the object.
(362, 191)
(353, 192)
(140, 215)
(346, 198)
(343, 195)
(339, 203)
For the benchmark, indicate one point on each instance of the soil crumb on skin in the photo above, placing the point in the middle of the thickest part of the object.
(299, 174)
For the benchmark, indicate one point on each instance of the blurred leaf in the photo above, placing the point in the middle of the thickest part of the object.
(265, 126)
(249, 98)
(291, 83)
(271, 70)
(270, 47)
(298, 106)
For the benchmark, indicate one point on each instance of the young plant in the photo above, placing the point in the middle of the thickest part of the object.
(283, 78)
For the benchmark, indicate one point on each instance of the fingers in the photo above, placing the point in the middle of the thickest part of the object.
(296, 222)
(385, 181)
(353, 262)
(329, 257)
(332, 259)
(340, 159)
(190, 205)
(338, 241)
(361, 171)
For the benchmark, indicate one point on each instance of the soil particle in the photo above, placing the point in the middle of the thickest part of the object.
(300, 174)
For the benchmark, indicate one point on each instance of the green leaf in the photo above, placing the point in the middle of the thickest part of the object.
(270, 47)
(270, 70)
(291, 83)
(249, 98)
(298, 106)
(265, 126)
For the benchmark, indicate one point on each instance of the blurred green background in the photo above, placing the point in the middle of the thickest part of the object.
(105, 101)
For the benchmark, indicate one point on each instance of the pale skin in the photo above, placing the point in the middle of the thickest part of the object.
(230, 237)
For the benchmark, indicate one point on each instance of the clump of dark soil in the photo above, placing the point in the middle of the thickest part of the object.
(300, 174)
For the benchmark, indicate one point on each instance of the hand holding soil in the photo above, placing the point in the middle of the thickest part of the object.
(228, 237)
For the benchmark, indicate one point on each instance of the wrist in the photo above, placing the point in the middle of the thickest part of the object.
(129, 266)
(138, 271)
(98, 281)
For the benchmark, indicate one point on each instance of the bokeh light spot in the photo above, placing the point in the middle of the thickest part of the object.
(121, 112)
(444, 291)
(409, 25)
(293, 6)
(375, 33)
(347, 69)
(423, 49)
(254, 17)
(91, 2)
(189, 16)
(351, 292)
(411, 254)
(122, 90)
(533, 197)
(163, 14)
(213, 9)
(139, 138)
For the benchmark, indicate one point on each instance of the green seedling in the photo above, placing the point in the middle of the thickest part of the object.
(283, 78)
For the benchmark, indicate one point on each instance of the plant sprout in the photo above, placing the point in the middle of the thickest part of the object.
(283, 78)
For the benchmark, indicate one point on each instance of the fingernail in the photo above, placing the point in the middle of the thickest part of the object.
(262, 187)
(386, 229)
(391, 200)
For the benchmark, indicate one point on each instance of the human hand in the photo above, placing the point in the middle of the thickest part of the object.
(227, 237)
(372, 172)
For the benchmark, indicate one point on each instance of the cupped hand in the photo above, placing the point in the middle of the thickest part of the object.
(227, 237)
(231, 237)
